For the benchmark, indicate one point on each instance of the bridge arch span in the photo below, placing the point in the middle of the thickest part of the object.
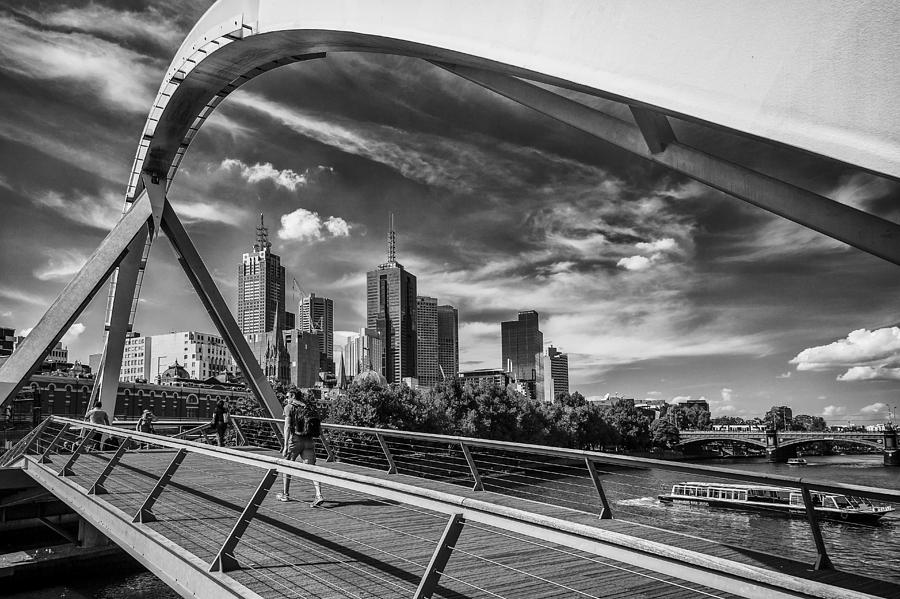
(714, 438)
(798, 442)
(674, 66)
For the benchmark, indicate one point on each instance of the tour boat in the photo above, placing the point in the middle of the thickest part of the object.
(777, 500)
(796, 462)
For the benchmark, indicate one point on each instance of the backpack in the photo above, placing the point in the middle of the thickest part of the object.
(304, 420)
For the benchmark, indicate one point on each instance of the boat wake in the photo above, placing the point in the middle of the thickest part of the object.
(640, 501)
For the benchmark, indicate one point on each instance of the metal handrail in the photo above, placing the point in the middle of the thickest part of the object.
(708, 570)
(882, 494)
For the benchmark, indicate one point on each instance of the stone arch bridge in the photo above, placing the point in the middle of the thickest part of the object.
(780, 445)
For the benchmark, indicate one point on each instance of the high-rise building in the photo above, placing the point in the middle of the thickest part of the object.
(7, 340)
(391, 310)
(521, 341)
(427, 371)
(364, 352)
(261, 287)
(448, 340)
(316, 315)
(559, 366)
(543, 379)
(202, 355)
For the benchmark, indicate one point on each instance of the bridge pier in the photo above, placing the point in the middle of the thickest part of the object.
(891, 452)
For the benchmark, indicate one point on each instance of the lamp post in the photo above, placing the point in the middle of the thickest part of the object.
(158, 373)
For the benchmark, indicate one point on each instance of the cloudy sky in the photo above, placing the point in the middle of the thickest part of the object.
(656, 286)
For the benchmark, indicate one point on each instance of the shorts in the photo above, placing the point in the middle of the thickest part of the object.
(305, 447)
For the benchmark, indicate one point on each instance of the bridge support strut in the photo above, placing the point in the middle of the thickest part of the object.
(88, 438)
(392, 468)
(823, 562)
(440, 557)
(145, 513)
(97, 488)
(605, 511)
(479, 486)
(225, 560)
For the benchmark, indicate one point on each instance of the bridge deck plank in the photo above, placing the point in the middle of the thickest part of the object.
(357, 545)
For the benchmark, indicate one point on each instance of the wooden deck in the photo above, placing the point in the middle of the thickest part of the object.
(361, 546)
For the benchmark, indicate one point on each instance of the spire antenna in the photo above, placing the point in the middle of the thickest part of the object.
(262, 236)
(392, 242)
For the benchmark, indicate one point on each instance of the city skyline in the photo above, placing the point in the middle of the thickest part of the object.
(655, 286)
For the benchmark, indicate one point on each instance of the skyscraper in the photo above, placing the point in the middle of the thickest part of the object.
(261, 287)
(316, 315)
(521, 341)
(427, 341)
(448, 340)
(559, 366)
(391, 310)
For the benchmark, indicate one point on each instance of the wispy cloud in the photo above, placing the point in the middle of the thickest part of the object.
(62, 264)
(122, 78)
(101, 211)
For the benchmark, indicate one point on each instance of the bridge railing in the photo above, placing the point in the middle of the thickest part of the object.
(76, 462)
(608, 485)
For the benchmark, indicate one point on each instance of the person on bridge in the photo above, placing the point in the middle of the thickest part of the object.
(221, 420)
(301, 427)
(96, 415)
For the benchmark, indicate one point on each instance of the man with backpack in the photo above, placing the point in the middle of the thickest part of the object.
(221, 420)
(301, 426)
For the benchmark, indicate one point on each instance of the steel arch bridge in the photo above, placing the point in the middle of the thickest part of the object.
(797, 76)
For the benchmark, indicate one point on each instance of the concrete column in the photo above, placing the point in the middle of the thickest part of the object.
(88, 536)
(891, 452)
(772, 452)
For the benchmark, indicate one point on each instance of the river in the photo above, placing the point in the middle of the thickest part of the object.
(870, 550)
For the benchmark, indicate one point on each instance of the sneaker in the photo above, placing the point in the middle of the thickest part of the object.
(283, 497)
(317, 502)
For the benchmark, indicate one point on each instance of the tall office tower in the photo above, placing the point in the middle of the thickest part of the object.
(261, 287)
(391, 310)
(363, 352)
(559, 367)
(427, 371)
(543, 378)
(448, 341)
(316, 315)
(521, 341)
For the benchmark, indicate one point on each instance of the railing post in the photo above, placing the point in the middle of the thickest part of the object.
(392, 469)
(67, 467)
(605, 511)
(823, 562)
(472, 467)
(97, 488)
(145, 513)
(45, 457)
(440, 557)
(225, 560)
(329, 451)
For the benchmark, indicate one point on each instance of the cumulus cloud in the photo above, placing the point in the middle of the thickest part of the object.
(834, 411)
(306, 225)
(874, 408)
(634, 263)
(870, 373)
(71, 335)
(286, 178)
(726, 394)
(867, 355)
